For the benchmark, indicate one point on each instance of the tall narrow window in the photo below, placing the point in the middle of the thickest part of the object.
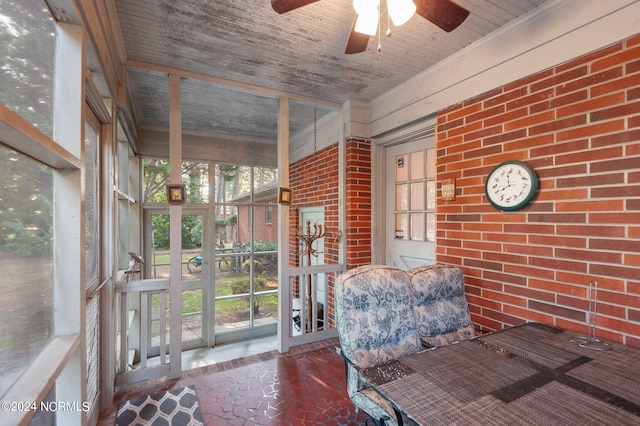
(92, 198)
(26, 261)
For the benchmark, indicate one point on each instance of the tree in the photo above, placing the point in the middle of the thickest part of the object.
(194, 176)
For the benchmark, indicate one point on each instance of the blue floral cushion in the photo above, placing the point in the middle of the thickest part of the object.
(374, 315)
(441, 310)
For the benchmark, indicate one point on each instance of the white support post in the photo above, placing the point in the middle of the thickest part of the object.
(175, 231)
(69, 270)
(284, 288)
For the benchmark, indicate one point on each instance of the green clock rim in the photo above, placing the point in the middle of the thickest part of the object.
(527, 200)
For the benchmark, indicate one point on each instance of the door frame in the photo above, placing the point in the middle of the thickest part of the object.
(207, 290)
(417, 129)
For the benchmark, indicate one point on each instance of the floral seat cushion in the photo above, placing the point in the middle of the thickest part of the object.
(441, 310)
(375, 316)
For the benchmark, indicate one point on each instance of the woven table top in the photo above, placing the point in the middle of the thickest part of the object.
(530, 374)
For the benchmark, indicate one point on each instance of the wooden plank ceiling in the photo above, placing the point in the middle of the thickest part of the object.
(299, 53)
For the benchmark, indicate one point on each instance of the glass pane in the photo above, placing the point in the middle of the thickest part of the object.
(431, 164)
(417, 196)
(431, 226)
(191, 315)
(227, 227)
(156, 315)
(26, 262)
(191, 246)
(160, 246)
(156, 177)
(27, 60)
(431, 195)
(417, 165)
(417, 226)
(195, 177)
(92, 210)
(402, 226)
(232, 314)
(402, 197)
(265, 181)
(402, 168)
(265, 244)
(233, 184)
(93, 347)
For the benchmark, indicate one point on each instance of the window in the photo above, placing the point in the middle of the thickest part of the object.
(195, 177)
(26, 261)
(268, 215)
(415, 196)
(92, 205)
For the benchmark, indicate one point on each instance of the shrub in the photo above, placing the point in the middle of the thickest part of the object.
(241, 285)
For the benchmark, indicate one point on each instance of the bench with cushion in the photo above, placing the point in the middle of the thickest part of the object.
(383, 313)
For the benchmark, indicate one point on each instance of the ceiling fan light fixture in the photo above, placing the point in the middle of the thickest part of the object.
(400, 11)
(367, 16)
(367, 24)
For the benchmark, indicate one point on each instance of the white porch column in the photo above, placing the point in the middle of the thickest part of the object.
(284, 290)
(175, 229)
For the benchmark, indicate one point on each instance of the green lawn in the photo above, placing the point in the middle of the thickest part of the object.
(192, 299)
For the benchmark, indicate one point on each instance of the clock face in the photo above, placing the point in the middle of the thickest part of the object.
(511, 185)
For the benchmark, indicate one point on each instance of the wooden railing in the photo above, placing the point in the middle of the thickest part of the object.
(304, 329)
(134, 306)
(296, 327)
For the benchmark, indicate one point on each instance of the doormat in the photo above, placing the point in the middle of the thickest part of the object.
(177, 407)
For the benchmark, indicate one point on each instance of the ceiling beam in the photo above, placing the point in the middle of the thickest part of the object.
(231, 83)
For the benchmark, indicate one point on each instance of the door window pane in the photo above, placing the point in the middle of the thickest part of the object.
(402, 168)
(431, 226)
(417, 165)
(415, 195)
(417, 226)
(431, 164)
(402, 226)
(431, 195)
(402, 197)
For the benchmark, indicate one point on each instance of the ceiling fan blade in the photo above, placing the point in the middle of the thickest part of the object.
(443, 13)
(357, 42)
(283, 6)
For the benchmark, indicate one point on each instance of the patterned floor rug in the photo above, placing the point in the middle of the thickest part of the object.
(177, 407)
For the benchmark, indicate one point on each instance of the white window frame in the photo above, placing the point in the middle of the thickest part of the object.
(61, 361)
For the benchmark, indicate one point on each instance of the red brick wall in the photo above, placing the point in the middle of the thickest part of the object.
(358, 190)
(314, 181)
(578, 126)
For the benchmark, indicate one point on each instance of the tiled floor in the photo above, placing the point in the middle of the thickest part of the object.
(303, 387)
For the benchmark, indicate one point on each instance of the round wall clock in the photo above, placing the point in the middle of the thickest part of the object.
(511, 185)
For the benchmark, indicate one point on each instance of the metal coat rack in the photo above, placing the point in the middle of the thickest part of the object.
(307, 250)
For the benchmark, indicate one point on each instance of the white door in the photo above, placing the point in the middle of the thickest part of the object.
(410, 209)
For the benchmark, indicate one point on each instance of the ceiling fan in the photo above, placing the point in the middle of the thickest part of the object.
(443, 13)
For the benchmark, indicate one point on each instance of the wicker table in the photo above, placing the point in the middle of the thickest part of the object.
(529, 374)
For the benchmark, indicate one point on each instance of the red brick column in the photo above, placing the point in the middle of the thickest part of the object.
(358, 202)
